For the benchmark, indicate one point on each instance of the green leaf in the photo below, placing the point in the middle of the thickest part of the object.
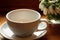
(53, 16)
(46, 0)
(47, 4)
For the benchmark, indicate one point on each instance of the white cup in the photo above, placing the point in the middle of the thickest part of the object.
(23, 22)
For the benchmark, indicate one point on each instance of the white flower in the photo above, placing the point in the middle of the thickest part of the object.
(41, 6)
(45, 11)
(53, 1)
(50, 8)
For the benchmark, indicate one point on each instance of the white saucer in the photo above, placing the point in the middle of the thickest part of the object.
(6, 32)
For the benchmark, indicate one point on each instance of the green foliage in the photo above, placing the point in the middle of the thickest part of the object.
(55, 4)
(46, 3)
(46, 0)
(53, 16)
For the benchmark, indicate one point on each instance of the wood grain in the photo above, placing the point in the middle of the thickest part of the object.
(2, 19)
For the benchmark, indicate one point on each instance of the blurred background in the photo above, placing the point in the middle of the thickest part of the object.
(8, 5)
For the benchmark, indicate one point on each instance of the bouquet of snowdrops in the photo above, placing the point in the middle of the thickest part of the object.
(51, 8)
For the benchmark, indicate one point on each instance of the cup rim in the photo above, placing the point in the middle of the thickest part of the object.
(23, 9)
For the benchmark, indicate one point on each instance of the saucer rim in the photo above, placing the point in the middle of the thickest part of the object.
(12, 37)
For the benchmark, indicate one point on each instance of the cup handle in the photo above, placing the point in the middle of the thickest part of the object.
(42, 25)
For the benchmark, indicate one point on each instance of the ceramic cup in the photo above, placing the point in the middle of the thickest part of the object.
(23, 22)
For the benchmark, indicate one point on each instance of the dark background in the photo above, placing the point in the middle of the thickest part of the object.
(8, 5)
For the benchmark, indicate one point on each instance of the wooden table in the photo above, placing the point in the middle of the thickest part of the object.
(50, 35)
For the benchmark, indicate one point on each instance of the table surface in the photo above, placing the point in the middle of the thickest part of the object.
(50, 35)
